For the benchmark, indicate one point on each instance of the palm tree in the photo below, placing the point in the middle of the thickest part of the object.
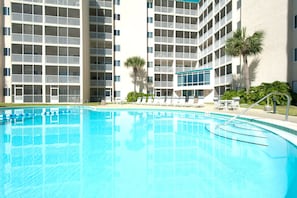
(136, 63)
(242, 45)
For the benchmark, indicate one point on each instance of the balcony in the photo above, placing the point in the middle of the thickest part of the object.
(164, 84)
(100, 35)
(100, 19)
(163, 69)
(103, 83)
(26, 38)
(63, 59)
(26, 58)
(101, 67)
(27, 17)
(161, 39)
(62, 20)
(62, 40)
(163, 54)
(101, 51)
(107, 4)
(62, 79)
(226, 79)
(164, 24)
(26, 78)
(163, 9)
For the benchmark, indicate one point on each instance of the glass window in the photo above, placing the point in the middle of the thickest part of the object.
(295, 54)
(117, 17)
(117, 48)
(150, 19)
(17, 49)
(51, 11)
(73, 32)
(116, 32)
(6, 31)
(117, 94)
(117, 2)
(295, 22)
(6, 91)
(117, 78)
(37, 29)
(74, 13)
(149, 79)
(63, 12)
(117, 63)
(16, 7)
(149, 64)
(149, 4)
(28, 49)
(150, 35)
(150, 50)
(38, 9)
(27, 9)
(6, 71)
(6, 11)
(73, 51)
(37, 49)
(6, 52)
(17, 28)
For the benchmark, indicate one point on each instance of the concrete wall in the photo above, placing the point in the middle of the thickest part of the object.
(132, 39)
(272, 18)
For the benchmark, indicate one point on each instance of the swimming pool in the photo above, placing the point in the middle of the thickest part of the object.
(85, 152)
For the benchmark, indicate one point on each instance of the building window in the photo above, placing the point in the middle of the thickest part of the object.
(117, 32)
(150, 35)
(6, 31)
(117, 48)
(6, 51)
(295, 54)
(294, 86)
(6, 71)
(149, 64)
(117, 63)
(117, 78)
(6, 11)
(150, 50)
(149, 4)
(150, 79)
(117, 17)
(117, 2)
(150, 19)
(117, 94)
(295, 22)
(6, 91)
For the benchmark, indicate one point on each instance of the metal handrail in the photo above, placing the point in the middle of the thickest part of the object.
(272, 93)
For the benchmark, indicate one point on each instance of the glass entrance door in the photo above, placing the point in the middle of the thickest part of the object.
(54, 95)
(19, 94)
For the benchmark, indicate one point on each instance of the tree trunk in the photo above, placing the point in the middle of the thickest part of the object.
(134, 71)
(246, 74)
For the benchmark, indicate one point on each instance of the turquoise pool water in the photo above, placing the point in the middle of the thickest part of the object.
(82, 152)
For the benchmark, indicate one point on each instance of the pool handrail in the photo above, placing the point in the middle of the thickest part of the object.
(254, 104)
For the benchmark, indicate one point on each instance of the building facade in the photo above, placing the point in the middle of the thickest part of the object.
(73, 51)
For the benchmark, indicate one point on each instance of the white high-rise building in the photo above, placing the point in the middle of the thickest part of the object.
(73, 51)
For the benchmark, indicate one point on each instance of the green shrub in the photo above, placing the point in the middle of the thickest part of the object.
(258, 92)
(132, 96)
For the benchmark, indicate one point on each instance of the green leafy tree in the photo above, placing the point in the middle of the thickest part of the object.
(137, 64)
(242, 45)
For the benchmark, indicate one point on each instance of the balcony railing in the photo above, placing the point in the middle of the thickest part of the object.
(63, 59)
(101, 67)
(62, 79)
(163, 54)
(163, 83)
(26, 58)
(100, 19)
(62, 20)
(103, 83)
(27, 78)
(163, 69)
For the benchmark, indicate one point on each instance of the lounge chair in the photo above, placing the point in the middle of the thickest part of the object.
(234, 104)
(198, 102)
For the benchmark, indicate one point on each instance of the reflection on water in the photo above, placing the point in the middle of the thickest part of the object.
(75, 152)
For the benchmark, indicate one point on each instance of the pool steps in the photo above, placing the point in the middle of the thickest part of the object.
(236, 132)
